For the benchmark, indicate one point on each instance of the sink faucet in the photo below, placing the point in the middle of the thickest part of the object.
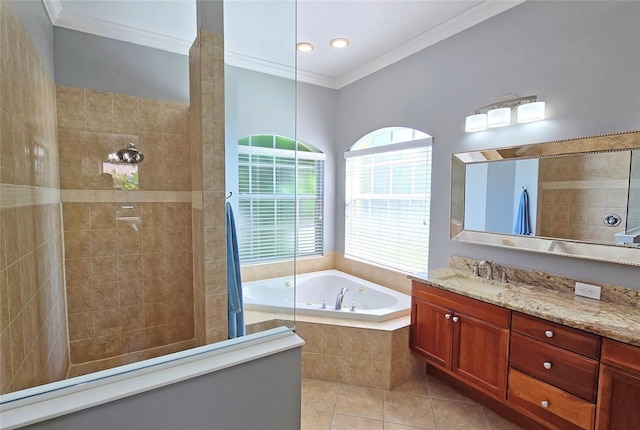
(340, 297)
(489, 267)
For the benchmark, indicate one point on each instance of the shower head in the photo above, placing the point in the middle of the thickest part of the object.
(128, 155)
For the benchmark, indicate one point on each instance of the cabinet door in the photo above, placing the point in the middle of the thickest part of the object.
(431, 332)
(618, 399)
(480, 352)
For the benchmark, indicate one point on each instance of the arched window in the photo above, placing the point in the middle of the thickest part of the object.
(280, 194)
(388, 198)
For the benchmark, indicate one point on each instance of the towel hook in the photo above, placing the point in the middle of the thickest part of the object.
(230, 194)
(524, 188)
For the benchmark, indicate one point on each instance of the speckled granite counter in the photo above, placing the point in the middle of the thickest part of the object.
(616, 316)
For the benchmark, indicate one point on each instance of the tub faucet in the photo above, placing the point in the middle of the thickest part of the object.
(489, 267)
(340, 297)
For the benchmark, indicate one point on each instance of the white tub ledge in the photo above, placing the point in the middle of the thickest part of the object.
(53, 400)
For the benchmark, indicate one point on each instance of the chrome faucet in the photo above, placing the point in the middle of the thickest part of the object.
(487, 264)
(340, 297)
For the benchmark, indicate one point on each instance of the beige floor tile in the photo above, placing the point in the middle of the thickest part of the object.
(394, 426)
(440, 390)
(418, 386)
(360, 402)
(346, 422)
(496, 422)
(408, 409)
(319, 395)
(452, 415)
(315, 420)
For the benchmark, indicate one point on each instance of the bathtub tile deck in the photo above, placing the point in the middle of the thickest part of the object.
(422, 403)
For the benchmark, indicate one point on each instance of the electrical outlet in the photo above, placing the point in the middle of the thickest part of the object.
(587, 290)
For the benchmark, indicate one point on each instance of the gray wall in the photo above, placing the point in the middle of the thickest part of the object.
(260, 394)
(88, 61)
(582, 58)
(36, 23)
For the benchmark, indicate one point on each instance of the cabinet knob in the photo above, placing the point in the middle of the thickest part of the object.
(547, 365)
(544, 404)
(455, 319)
(548, 333)
(447, 316)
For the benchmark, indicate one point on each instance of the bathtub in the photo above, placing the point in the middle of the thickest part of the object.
(372, 302)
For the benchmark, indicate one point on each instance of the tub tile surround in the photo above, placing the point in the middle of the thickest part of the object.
(33, 326)
(616, 316)
(128, 254)
(362, 353)
(206, 76)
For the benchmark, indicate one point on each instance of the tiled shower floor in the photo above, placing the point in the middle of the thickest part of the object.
(423, 403)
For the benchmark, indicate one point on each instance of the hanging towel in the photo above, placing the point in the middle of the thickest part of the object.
(234, 282)
(523, 225)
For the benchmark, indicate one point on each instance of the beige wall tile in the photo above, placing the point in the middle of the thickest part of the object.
(126, 114)
(99, 111)
(70, 103)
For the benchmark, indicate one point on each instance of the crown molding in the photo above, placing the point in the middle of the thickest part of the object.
(461, 22)
(99, 27)
(53, 8)
(268, 67)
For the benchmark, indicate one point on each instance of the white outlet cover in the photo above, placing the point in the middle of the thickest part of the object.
(587, 290)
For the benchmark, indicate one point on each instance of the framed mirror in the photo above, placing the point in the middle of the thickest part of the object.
(575, 197)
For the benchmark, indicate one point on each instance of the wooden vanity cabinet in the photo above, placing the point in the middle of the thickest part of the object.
(462, 336)
(619, 388)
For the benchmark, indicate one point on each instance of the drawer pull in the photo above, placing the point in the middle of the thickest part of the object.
(455, 319)
(547, 365)
(447, 316)
(548, 333)
(544, 404)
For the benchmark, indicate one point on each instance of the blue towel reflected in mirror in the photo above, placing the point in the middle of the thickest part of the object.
(523, 223)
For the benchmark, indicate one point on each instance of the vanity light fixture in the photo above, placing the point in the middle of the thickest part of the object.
(339, 42)
(498, 114)
(304, 47)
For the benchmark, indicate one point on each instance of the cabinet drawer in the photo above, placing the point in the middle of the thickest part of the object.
(556, 334)
(621, 355)
(566, 370)
(557, 408)
(478, 309)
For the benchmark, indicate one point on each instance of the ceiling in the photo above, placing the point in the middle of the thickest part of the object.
(380, 32)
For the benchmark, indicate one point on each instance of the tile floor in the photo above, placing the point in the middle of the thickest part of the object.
(423, 403)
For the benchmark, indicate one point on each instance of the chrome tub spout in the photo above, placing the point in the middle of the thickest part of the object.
(340, 298)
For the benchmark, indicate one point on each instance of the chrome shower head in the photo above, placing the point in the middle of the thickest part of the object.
(128, 155)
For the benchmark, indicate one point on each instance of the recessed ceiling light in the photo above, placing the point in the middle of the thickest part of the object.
(304, 47)
(339, 42)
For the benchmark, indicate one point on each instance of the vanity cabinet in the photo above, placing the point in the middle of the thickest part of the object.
(619, 390)
(554, 376)
(553, 372)
(462, 336)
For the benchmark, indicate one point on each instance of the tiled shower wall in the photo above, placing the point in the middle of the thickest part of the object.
(206, 77)
(128, 253)
(33, 326)
(576, 192)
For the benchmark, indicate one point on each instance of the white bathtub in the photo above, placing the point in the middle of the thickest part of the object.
(373, 302)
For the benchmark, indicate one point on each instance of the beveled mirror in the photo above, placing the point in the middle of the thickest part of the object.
(575, 197)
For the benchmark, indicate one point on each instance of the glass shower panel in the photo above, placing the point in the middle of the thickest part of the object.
(261, 179)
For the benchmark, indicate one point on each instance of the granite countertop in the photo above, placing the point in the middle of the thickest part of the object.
(616, 320)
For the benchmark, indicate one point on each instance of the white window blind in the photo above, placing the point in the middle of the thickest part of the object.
(281, 193)
(387, 204)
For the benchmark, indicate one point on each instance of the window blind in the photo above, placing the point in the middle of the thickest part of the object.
(281, 194)
(387, 205)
